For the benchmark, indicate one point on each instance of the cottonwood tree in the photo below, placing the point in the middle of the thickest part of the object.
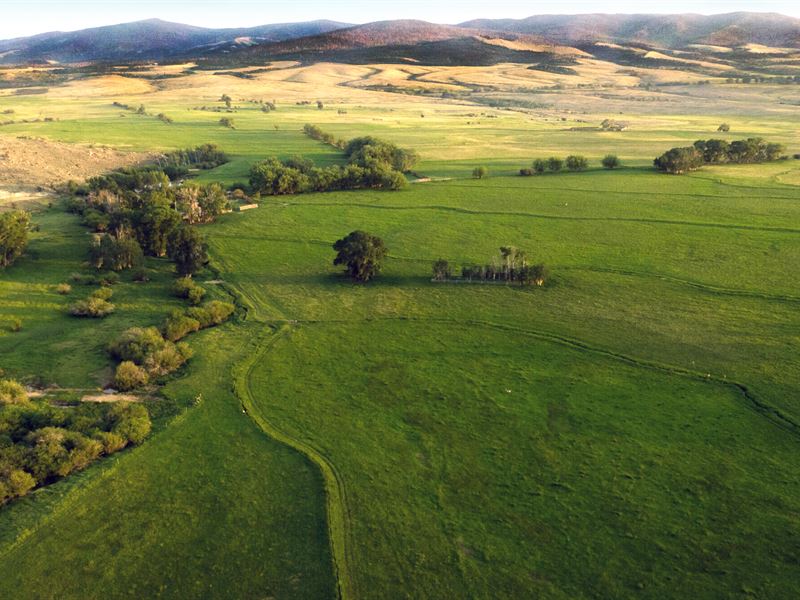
(187, 250)
(13, 235)
(442, 270)
(362, 254)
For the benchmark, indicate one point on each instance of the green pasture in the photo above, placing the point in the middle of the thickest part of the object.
(630, 430)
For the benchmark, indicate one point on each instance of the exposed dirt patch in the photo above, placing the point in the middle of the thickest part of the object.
(110, 398)
(28, 164)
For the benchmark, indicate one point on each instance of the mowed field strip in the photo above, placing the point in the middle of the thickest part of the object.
(629, 430)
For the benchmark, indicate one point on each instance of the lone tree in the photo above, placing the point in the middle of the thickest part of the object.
(480, 172)
(362, 254)
(724, 128)
(611, 161)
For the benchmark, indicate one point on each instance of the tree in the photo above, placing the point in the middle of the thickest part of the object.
(442, 270)
(188, 250)
(362, 254)
(226, 99)
(577, 163)
(320, 105)
(554, 164)
(610, 161)
(227, 122)
(679, 160)
(539, 165)
(724, 128)
(116, 254)
(714, 151)
(13, 235)
(480, 172)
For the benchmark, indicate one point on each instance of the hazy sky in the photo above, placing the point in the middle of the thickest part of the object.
(22, 18)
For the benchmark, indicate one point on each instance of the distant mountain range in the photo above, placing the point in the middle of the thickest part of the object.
(667, 31)
(148, 40)
(474, 42)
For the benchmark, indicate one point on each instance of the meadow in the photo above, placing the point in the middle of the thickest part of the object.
(629, 430)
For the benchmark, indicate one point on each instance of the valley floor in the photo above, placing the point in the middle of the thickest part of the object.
(629, 430)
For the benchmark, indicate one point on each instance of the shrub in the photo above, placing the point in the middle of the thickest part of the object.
(724, 128)
(12, 392)
(63, 288)
(610, 161)
(526, 172)
(111, 441)
(227, 122)
(129, 421)
(185, 287)
(480, 172)
(20, 482)
(129, 376)
(214, 313)
(136, 343)
(94, 308)
(539, 165)
(103, 293)
(168, 359)
(178, 325)
(16, 325)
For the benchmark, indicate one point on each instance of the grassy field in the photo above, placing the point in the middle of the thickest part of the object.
(629, 430)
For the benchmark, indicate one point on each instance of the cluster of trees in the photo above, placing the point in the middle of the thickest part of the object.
(40, 443)
(554, 164)
(361, 253)
(706, 152)
(139, 212)
(14, 227)
(299, 175)
(179, 162)
(369, 153)
(511, 266)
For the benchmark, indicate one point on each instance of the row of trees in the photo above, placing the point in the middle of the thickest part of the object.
(511, 266)
(296, 175)
(40, 443)
(362, 255)
(574, 163)
(705, 152)
(14, 227)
